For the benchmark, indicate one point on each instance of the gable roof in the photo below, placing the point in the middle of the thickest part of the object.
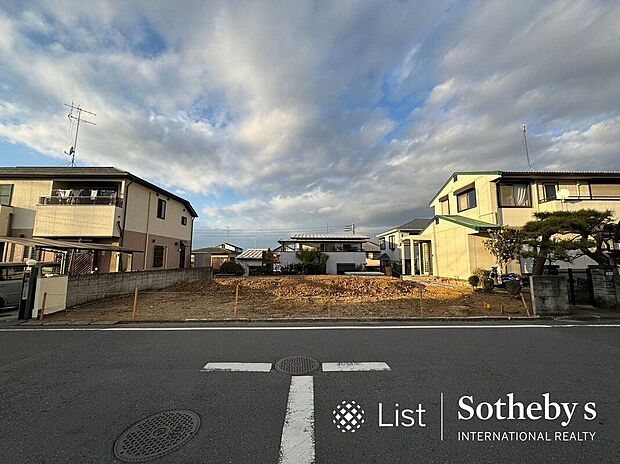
(215, 251)
(328, 237)
(252, 253)
(468, 222)
(55, 172)
(418, 224)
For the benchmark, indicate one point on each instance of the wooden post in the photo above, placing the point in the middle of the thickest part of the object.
(42, 310)
(236, 300)
(421, 291)
(527, 310)
(135, 304)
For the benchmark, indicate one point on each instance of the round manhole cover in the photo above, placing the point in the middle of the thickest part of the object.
(156, 435)
(297, 365)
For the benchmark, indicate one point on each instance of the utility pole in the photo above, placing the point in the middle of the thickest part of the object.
(527, 151)
(79, 110)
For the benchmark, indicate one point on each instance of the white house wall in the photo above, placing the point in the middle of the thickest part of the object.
(336, 257)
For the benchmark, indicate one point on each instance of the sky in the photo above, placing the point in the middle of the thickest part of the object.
(279, 116)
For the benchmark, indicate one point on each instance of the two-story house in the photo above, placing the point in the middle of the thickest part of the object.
(470, 204)
(392, 244)
(345, 251)
(105, 208)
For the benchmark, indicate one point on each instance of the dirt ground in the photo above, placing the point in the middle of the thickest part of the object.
(294, 296)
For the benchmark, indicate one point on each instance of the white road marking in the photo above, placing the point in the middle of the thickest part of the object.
(275, 328)
(238, 367)
(355, 366)
(297, 444)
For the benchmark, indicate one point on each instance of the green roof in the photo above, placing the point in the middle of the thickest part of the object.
(468, 222)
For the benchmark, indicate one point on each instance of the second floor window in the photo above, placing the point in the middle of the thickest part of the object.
(466, 200)
(514, 195)
(161, 208)
(444, 206)
(382, 243)
(392, 242)
(5, 194)
(183, 220)
(158, 256)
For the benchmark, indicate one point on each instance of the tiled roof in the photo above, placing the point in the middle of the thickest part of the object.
(416, 224)
(252, 253)
(469, 222)
(215, 251)
(51, 172)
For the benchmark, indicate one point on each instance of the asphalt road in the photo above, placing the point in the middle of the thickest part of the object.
(67, 394)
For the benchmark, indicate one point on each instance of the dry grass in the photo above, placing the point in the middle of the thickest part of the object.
(292, 297)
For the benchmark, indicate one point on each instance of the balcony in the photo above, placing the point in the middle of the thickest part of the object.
(78, 216)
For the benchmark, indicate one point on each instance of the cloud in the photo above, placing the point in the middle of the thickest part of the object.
(308, 115)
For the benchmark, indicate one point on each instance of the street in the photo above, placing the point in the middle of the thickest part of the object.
(67, 393)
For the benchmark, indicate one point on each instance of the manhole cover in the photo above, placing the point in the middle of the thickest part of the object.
(297, 365)
(156, 435)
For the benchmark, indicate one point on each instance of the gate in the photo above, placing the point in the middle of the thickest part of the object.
(580, 289)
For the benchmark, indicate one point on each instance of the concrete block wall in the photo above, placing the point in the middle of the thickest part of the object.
(604, 283)
(85, 288)
(549, 294)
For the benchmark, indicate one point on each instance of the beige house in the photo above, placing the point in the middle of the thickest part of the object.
(128, 222)
(470, 204)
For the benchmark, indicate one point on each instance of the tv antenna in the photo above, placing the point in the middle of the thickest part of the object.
(78, 118)
(527, 151)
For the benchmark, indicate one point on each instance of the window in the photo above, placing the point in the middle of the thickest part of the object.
(444, 206)
(514, 196)
(183, 220)
(158, 256)
(466, 200)
(382, 243)
(550, 191)
(5, 194)
(161, 208)
(392, 242)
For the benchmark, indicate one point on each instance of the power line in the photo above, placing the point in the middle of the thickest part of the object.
(78, 119)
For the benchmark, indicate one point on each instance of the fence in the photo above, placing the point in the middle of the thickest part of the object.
(85, 288)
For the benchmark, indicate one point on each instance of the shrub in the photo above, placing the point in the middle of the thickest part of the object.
(488, 285)
(473, 280)
(513, 287)
(230, 267)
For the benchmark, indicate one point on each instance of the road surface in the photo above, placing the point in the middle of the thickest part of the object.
(68, 393)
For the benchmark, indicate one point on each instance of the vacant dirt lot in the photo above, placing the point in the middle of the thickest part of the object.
(310, 296)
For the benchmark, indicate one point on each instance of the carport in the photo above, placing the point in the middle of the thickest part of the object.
(75, 257)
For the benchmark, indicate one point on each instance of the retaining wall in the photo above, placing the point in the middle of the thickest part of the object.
(85, 288)
(606, 286)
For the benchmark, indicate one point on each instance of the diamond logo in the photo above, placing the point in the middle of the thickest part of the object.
(348, 416)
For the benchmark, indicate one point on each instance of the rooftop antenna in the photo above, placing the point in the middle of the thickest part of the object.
(527, 151)
(78, 118)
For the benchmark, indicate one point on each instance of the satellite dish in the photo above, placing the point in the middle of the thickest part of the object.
(563, 194)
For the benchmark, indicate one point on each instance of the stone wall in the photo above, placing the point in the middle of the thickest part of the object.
(85, 288)
(605, 283)
(549, 294)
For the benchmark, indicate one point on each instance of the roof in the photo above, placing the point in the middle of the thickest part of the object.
(371, 246)
(468, 222)
(221, 245)
(53, 244)
(252, 253)
(215, 251)
(54, 172)
(329, 237)
(529, 174)
(414, 224)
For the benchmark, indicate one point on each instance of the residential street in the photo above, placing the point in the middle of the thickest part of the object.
(67, 393)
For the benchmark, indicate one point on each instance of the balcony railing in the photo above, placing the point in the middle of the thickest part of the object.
(81, 200)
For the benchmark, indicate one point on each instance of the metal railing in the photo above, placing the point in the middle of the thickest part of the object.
(81, 200)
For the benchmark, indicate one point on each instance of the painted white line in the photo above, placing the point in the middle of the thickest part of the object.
(276, 328)
(297, 445)
(441, 397)
(355, 366)
(237, 367)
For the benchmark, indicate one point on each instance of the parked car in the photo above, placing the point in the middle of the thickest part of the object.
(11, 277)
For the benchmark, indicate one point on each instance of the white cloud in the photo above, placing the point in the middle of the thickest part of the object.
(355, 111)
